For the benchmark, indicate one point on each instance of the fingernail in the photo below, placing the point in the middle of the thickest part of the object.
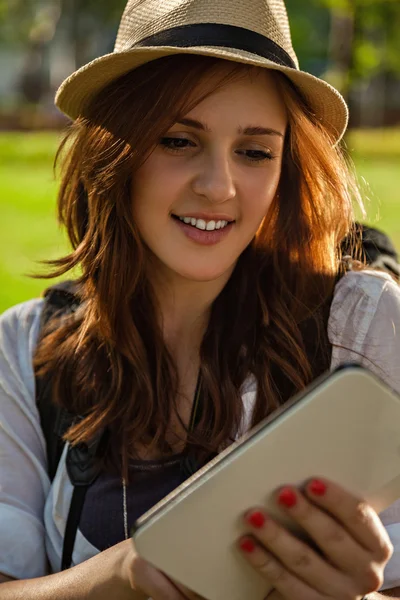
(256, 519)
(317, 487)
(247, 545)
(287, 497)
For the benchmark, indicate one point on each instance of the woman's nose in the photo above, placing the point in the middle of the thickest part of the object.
(215, 180)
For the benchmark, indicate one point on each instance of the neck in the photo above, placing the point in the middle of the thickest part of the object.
(185, 307)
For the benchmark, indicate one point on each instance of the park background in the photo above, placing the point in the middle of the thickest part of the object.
(353, 44)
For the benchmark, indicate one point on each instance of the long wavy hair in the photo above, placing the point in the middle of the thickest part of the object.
(108, 361)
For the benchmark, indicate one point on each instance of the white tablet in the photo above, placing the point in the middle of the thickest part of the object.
(345, 427)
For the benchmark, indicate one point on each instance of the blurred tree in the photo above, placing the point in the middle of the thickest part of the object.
(362, 35)
(355, 45)
(86, 17)
(32, 25)
(364, 39)
(310, 31)
(19, 17)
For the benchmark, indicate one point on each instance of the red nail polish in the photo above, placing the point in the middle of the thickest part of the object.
(287, 497)
(256, 519)
(317, 487)
(247, 545)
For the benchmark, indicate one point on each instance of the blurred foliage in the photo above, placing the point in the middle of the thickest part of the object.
(377, 43)
(344, 41)
(22, 20)
(310, 31)
(376, 26)
(370, 29)
(375, 46)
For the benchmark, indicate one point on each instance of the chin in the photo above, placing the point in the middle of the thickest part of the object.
(206, 274)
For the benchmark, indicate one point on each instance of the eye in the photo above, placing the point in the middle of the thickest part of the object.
(257, 155)
(176, 144)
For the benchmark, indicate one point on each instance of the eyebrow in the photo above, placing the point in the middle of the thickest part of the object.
(250, 130)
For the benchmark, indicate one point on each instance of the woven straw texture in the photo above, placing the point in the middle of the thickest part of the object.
(143, 18)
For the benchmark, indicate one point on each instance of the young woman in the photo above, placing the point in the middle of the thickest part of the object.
(205, 196)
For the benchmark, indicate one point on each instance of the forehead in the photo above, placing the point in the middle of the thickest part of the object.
(242, 93)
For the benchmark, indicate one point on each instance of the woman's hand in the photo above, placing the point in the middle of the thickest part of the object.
(146, 581)
(354, 545)
(117, 572)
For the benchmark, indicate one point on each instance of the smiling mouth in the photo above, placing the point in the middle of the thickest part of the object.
(202, 224)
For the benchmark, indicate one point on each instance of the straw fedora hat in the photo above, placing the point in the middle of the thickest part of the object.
(254, 32)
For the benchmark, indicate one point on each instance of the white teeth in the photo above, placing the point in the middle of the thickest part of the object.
(203, 225)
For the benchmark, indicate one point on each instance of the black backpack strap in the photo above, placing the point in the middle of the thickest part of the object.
(59, 300)
(83, 469)
(74, 517)
(81, 464)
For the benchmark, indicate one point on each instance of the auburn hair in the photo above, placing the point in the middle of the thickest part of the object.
(108, 360)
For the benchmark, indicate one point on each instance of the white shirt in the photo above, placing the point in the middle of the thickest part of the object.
(363, 324)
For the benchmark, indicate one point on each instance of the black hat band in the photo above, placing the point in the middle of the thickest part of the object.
(213, 34)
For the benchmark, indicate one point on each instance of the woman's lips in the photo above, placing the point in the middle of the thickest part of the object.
(204, 237)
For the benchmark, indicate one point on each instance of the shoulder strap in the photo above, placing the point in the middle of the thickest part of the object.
(59, 299)
(81, 463)
(83, 469)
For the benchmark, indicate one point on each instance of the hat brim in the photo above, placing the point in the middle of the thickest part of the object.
(81, 87)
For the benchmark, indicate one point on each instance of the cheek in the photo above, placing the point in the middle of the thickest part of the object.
(259, 193)
(156, 185)
(146, 199)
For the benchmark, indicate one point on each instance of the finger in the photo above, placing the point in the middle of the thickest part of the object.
(331, 537)
(288, 585)
(358, 517)
(154, 583)
(188, 593)
(273, 595)
(163, 589)
(295, 555)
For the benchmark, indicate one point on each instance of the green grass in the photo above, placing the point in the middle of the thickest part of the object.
(28, 229)
(378, 144)
(376, 154)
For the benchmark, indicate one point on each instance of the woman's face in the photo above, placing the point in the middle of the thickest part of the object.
(200, 197)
